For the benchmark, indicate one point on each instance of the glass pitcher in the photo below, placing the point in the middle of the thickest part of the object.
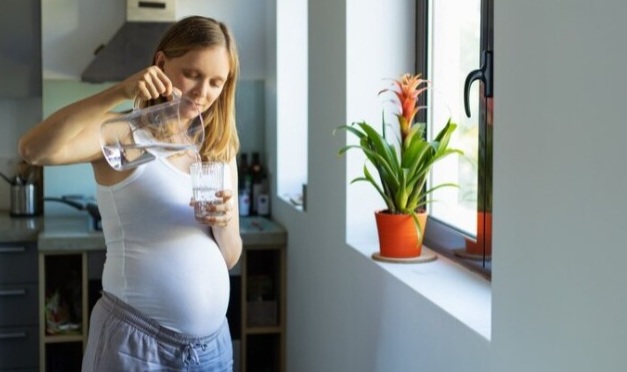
(145, 134)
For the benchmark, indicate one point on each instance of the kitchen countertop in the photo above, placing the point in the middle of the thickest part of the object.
(19, 229)
(54, 233)
(69, 234)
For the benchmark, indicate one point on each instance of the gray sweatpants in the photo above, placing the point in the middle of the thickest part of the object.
(122, 339)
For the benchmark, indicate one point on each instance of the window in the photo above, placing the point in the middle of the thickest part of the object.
(292, 108)
(454, 45)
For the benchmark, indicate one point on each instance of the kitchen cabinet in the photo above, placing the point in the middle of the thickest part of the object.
(18, 306)
(63, 296)
(20, 49)
(262, 298)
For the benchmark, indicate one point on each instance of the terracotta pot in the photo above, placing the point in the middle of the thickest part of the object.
(398, 235)
(484, 236)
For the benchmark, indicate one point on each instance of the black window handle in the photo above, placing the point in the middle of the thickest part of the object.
(484, 73)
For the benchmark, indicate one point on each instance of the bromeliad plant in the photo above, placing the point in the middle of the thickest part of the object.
(402, 172)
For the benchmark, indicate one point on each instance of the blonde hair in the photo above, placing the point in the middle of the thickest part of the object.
(221, 139)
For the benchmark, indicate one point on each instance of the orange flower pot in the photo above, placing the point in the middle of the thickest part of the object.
(398, 236)
(484, 236)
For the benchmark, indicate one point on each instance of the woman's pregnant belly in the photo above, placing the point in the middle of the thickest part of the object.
(183, 283)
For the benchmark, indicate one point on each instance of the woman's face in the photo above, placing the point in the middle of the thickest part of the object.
(199, 74)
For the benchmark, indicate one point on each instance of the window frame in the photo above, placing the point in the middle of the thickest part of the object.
(440, 236)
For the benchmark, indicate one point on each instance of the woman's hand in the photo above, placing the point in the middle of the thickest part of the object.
(226, 231)
(218, 213)
(149, 83)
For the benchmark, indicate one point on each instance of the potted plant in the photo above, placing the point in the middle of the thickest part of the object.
(402, 168)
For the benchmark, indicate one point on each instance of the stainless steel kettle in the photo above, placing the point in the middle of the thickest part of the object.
(24, 199)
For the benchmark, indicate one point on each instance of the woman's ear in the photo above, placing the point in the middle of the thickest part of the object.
(160, 59)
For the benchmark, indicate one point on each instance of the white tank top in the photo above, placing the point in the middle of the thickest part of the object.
(159, 259)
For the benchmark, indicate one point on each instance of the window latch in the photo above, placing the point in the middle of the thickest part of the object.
(485, 74)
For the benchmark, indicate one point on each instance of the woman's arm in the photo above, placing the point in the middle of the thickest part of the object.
(71, 135)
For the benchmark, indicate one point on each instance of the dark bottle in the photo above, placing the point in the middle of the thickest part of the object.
(242, 171)
(244, 185)
(256, 172)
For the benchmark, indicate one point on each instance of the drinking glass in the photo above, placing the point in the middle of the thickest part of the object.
(145, 134)
(207, 179)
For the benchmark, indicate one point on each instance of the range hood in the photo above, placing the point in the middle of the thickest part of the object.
(132, 47)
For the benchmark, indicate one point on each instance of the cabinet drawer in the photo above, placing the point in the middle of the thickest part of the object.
(18, 262)
(19, 347)
(18, 304)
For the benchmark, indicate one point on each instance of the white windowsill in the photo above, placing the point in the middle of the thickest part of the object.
(460, 292)
(294, 201)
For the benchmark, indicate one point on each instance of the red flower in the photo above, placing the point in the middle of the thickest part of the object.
(408, 89)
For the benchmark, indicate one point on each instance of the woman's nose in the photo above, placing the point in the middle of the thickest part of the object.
(202, 89)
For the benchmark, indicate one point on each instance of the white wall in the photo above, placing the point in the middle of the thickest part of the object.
(344, 312)
(559, 297)
(376, 51)
(560, 253)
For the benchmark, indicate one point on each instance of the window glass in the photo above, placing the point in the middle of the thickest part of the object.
(454, 51)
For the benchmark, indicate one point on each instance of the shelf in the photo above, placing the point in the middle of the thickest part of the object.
(63, 296)
(262, 299)
(63, 338)
(263, 330)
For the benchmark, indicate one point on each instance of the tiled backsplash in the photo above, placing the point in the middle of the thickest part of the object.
(7, 167)
(67, 180)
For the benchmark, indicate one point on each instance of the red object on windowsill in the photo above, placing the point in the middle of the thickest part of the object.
(483, 244)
